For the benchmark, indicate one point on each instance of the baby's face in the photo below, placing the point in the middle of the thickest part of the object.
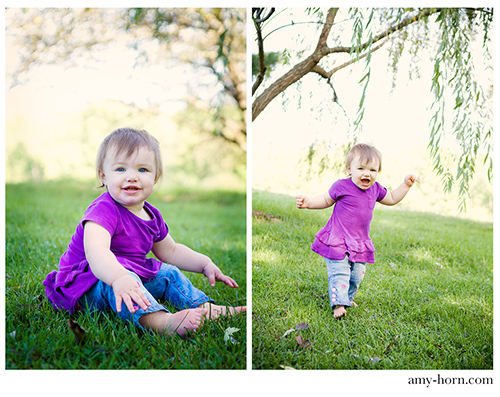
(130, 179)
(363, 175)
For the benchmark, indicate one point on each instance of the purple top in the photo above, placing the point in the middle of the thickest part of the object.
(347, 231)
(132, 239)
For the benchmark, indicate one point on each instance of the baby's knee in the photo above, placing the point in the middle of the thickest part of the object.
(167, 270)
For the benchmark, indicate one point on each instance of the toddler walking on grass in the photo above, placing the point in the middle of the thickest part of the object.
(105, 266)
(344, 242)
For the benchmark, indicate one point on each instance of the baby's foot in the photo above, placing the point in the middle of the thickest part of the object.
(215, 311)
(339, 311)
(185, 321)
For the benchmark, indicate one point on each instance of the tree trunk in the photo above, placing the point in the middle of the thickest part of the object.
(282, 84)
(310, 64)
(298, 71)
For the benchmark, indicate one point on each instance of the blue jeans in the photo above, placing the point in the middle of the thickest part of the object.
(169, 284)
(344, 278)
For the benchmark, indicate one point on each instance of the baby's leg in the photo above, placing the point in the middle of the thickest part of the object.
(174, 287)
(339, 273)
(156, 317)
(357, 274)
(215, 311)
(182, 322)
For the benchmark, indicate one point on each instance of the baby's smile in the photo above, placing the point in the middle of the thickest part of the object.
(363, 174)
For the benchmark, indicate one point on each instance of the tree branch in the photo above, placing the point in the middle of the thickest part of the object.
(327, 27)
(297, 72)
(256, 15)
(344, 65)
(310, 64)
(425, 13)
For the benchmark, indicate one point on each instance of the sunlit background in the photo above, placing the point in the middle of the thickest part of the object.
(75, 75)
(396, 121)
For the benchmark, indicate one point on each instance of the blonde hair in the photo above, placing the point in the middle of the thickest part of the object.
(366, 153)
(129, 140)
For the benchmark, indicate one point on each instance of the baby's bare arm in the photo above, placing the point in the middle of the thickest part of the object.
(105, 266)
(168, 251)
(395, 196)
(102, 261)
(315, 203)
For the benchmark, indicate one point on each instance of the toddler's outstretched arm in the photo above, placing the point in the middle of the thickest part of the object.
(185, 258)
(396, 195)
(315, 203)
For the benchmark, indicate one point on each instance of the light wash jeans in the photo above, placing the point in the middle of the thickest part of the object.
(344, 278)
(170, 285)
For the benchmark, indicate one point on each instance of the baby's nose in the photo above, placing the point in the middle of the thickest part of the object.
(132, 176)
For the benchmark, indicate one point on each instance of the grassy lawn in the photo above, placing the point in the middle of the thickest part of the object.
(427, 302)
(40, 219)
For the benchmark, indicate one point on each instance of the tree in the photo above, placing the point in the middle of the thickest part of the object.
(450, 32)
(211, 41)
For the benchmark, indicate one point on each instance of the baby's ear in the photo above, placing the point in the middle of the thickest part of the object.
(102, 177)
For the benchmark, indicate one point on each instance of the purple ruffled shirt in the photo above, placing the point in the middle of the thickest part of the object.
(132, 239)
(347, 231)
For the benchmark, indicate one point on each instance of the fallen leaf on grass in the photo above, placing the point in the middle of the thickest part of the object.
(78, 331)
(228, 335)
(298, 327)
(286, 367)
(301, 341)
(288, 332)
(301, 326)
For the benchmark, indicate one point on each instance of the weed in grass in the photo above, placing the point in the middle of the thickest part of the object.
(40, 219)
(426, 303)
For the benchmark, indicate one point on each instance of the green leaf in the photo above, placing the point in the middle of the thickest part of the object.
(228, 335)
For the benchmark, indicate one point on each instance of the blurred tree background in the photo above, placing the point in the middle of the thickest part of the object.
(415, 82)
(74, 75)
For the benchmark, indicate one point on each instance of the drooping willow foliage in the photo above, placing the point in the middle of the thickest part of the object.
(472, 116)
(459, 41)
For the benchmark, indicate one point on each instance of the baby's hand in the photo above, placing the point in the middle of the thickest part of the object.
(410, 180)
(301, 202)
(128, 290)
(213, 273)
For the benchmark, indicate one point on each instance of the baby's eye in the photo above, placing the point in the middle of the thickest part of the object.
(143, 170)
(120, 169)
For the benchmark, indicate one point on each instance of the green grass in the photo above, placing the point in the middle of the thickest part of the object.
(40, 219)
(426, 303)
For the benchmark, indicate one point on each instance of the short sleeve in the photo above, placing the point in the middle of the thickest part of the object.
(162, 232)
(381, 191)
(335, 190)
(104, 213)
